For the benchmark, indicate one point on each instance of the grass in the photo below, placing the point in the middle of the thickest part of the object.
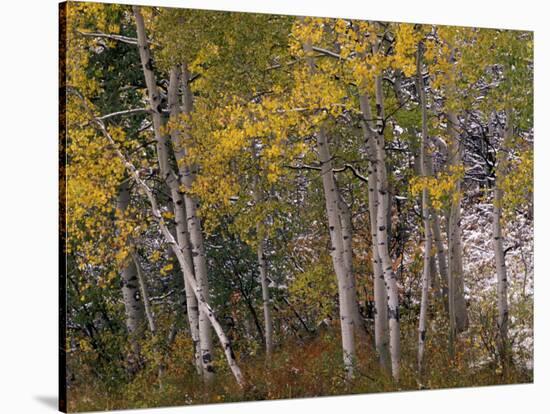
(299, 368)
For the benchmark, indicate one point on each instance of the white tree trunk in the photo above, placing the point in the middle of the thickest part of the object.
(381, 327)
(422, 323)
(193, 222)
(177, 249)
(498, 246)
(457, 302)
(182, 232)
(382, 234)
(262, 267)
(347, 235)
(195, 231)
(337, 242)
(337, 252)
(133, 303)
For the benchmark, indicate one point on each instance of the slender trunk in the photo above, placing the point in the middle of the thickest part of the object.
(443, 289)
(178, 251)
(381, 327)
(133, 303)
(383, 206)
(262, 267)
(193, 222)
(498, 246)
(457, 300)
(268, 322)
(337, 251)
(182, 231)
(150, 316)
(422, 323)
(337, 242)
(145, 295)
(195, 229)
(347, 234)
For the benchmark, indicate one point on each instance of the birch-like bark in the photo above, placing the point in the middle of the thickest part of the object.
(337, 251)
(498, 246)
(133, 303)
(193, 222)
(145, 295)
(195, 232)
(182, 232)
(457, 301)
(441, 254)
(381, 327)
(422, 323)
(383, 206)
(178, 251)
(262, 267)
(337, 242)
(347, 234)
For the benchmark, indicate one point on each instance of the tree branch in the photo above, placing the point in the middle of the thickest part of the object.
(118, 38)
(125, 112)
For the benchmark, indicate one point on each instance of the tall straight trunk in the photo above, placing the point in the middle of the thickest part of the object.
(347, 235)
(382, 212)
(332, 205)
(422, 323)
(182, 231)
(193, 222)
(381, 327)
(262, 267)
(150, 316)
(441, 254)
(268, 320)
(441, 260)
(337, 251)
(195, 228)
(178, 251)
(133, 303)
(500, 262)
(457, 301)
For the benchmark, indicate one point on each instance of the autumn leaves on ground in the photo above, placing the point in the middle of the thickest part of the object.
(263, 207)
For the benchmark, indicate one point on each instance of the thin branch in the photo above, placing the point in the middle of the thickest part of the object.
(125, 112)
(118, 38)
(353, 170)
(327, 52)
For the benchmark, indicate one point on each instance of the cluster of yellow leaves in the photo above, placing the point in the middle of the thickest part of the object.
(442, 188)
(406, 45)
(315, 289)
(517, 185)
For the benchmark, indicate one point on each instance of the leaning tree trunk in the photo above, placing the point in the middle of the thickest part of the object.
(133, 303)
(178, 251)
(381, 327)
(422, 323)
(498, 246)
(457, 303)
(168, 175)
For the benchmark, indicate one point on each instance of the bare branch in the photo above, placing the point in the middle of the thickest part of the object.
(125, 112)
(118, 38)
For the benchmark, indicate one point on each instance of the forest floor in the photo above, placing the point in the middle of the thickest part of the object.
(299, 368)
